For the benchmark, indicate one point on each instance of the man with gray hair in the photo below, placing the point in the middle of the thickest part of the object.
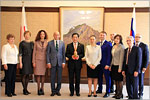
(145, 61)
(56, 61)
(131, 67)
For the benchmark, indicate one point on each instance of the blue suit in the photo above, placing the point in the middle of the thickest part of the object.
(145, 61)
(106, 60)
(134, 64)
(56, 58)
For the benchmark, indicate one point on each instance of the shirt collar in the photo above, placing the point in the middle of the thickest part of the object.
(102, 41)
(130, 47)
(137, 43)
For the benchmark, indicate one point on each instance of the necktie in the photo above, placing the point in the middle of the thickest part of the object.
(56, 46)
(75, 46)
(129, 50)
(137, 44)
(100, 43)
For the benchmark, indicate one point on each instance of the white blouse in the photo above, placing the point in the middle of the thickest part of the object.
(9, 54)
(93, 55)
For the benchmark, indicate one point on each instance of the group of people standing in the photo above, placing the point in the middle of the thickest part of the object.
(103, 57)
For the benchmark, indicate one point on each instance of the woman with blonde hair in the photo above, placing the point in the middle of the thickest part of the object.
(25, 59)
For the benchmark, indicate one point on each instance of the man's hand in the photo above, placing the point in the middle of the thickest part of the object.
(143, 70)
(123, 73)
(135, 74)
(63, 65)
(106, 67)
(5, 67)
(75, 58)
(110, 69)
(48, 65)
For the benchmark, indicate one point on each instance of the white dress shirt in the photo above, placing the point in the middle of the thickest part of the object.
(9, 54)
(75, 44)
(57, 42)
(93, 55)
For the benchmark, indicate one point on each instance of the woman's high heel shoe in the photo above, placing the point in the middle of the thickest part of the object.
(42, 92)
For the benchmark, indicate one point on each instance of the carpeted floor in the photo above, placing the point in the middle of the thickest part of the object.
(64, 93)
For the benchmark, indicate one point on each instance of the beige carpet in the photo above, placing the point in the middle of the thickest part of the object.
(64, 91)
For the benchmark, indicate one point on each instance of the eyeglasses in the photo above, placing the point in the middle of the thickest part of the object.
(137, 37)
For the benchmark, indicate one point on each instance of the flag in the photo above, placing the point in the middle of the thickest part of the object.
(133, 24)
(23, 27)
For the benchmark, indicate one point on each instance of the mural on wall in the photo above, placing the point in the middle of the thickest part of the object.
(84, 21)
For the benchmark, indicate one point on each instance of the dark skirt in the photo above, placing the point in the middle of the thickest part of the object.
(115, 75)
(92, 73)
(27, 67)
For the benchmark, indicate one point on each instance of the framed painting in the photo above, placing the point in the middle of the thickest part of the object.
(85, 21)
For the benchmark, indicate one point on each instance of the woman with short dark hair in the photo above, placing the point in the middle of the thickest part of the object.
(116, 65)
(10, 61)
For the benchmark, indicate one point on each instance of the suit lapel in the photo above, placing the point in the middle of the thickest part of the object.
(72, 46)
(53, 43)
(59, 44)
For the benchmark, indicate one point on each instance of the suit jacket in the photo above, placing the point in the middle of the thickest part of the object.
(145, 55)
(134, 60)
(70, 52)
(39, 51)
(106, 53)
(54, 56)
(118, 57)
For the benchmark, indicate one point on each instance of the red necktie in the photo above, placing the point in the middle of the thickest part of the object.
(129, 50)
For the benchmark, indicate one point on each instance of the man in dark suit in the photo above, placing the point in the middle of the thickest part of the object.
(56, 61)
(112, 35)
(145, 61)
(104, 64)
(75, 53)
(131, 68)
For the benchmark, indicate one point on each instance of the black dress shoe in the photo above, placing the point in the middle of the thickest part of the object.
(99, 92)
(9, 95)
(111, 91)
(58, 94)
(114, 96)
(106, 95)
(71, 94)
(77, 94)
(140, 96)
(13, 94)
(52, 94)
(95, 95)
(119, 97)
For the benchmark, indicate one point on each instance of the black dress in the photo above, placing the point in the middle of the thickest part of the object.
(26, 50)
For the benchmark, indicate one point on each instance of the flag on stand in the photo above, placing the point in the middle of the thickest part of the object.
(133, 24)
(23, 27)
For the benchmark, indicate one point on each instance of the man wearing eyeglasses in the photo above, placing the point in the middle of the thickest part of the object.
(145, 61)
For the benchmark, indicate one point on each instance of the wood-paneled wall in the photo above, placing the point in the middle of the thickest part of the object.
(116, 20)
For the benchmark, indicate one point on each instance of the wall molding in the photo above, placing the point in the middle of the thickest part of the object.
(56, 9)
